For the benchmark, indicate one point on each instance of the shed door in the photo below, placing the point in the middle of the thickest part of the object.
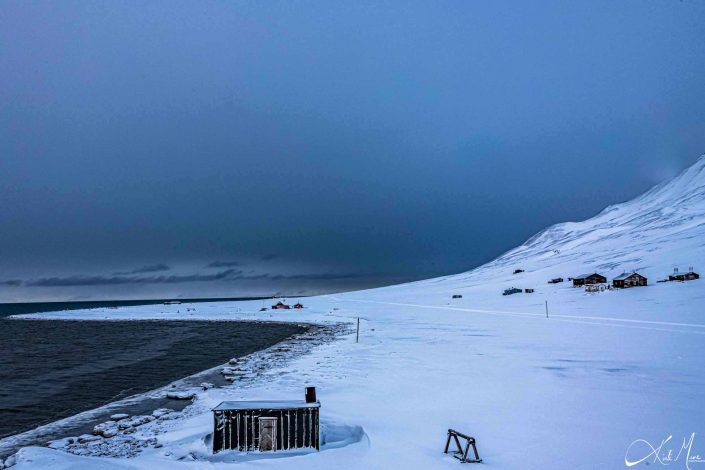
(267, 434)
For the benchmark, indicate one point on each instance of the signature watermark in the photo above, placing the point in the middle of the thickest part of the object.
(666, 453)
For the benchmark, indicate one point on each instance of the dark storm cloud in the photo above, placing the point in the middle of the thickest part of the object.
(224, 264)
(300, 277)
(309, 277)
(145, 269)
(329, 137)
(225, 275)
(80, 280)
(11, 283)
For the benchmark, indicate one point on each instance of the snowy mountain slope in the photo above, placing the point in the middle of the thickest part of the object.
(653, 233)
(660, 228)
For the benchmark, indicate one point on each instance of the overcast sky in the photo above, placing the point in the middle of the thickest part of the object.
(227, 148)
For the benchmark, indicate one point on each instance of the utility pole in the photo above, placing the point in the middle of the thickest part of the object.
(547, 309)
(357, 334)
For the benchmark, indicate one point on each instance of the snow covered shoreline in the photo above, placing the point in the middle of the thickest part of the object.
(250, 365)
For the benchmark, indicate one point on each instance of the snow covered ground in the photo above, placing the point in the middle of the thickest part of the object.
(574, 390)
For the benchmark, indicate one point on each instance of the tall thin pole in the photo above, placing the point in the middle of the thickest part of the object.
(357, 334)
(547, 309)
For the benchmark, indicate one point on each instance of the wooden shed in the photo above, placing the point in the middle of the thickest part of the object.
(625, 280)
(280, 305)
(267, 426)
(588, 279)
(299, 305)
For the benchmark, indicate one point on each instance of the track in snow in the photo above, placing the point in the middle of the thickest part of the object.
(586, 320)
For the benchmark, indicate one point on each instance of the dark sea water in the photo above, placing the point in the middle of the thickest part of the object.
(7, 309)
(52, 369)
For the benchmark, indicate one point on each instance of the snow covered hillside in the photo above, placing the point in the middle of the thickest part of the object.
(661, 230)
(602, 380)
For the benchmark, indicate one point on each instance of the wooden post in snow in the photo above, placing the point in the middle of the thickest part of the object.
(357, 334)
(547, 309)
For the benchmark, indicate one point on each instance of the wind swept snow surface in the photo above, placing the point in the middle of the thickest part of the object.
(578, 389)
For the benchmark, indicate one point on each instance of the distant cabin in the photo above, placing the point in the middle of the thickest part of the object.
(588, 279)
(556, 280)
(280, 305)
(457, 296)
(299, 305)
(518, 271)
(528, 291)
(625, 280)
(689, 276)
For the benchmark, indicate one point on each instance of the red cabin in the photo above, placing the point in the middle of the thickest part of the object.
(280, 305)
(298, 305)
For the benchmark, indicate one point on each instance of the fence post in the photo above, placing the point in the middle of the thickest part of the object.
(547, 309)
(357, 334)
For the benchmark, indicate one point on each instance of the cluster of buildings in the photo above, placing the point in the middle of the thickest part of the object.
(595, 281)
(622, 281)
(282, 306)
(633, 279)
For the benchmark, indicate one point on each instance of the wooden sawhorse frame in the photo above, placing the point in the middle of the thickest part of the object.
(461, 454)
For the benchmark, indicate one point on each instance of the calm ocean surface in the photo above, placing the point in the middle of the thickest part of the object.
(7, 309)
(54, 369)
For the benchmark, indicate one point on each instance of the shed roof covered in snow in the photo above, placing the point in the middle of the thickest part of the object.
(265, 405)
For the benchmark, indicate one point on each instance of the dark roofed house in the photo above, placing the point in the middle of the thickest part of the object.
(689, 276)
(299, 305)
(280, 305)
(588, 279)
(625, 280)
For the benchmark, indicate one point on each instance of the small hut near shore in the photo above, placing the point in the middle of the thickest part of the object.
(280, 306)
(267, 426)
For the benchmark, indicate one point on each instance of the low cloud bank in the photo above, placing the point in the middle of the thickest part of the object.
(135, 278)
(145, 269)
